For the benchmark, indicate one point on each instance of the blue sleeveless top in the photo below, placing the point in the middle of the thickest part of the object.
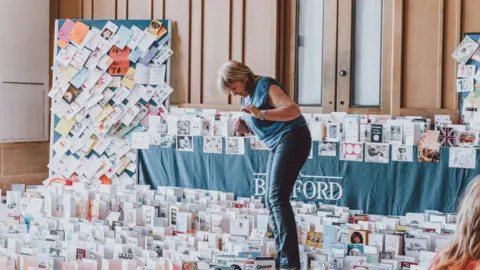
(269, 132)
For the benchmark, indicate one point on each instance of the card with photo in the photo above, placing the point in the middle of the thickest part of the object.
(377, 152)
(333, 132)
(185, 143)
(402, 153)
(212, 144)
(183, 127)
(314, 239)
(466, 139)
(235, 145)
(365, 135)
(396, 133)
(428, 154)
(327, 149)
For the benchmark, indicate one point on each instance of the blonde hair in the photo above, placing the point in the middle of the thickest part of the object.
(465, 244)
(232, 72)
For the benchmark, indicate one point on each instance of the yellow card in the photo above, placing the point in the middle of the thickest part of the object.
(64, 126)
(154, 27)
(129, 78)
(106, 112)
(67, 74)
(62, 44)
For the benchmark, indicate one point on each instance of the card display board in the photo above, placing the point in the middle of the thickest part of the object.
(91, 135)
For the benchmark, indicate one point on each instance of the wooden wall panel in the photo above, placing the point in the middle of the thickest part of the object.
(260, 36)
(179, 12)
(452, 33)
(469, 16)
(344, 53)
(237, 42)
(196, 49)
(329, 72)
(140, 9)
(387, 34)
(422, 34)
(104, 9)
(71, 9)
(122, 9)
(159, 9)
(216, 47)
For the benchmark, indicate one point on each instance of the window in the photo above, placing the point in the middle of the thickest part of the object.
(367, 53)
(309, 52)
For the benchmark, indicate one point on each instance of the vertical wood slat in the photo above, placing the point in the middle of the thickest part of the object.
(469, 16)
(87, 9)
(452, 35)
(397, 51)
(195, 90)
(158, 9)
(104, 9)
(423, 49)
(216, 48)
(260, 56)
(290, 46)
(344, 50)
(387, 37)
(139, 9)
(121, 9)
(329, 71)
(178, 12)
(237, 41)
(441, 17)
(71, 9)
(272, 20)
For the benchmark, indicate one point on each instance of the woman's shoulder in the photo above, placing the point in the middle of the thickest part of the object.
(265, 82)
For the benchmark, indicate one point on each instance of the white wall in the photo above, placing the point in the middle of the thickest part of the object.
(24, 54)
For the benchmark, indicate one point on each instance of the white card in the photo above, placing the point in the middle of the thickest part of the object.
(137, 35)
(462, 157)
(121, 94)
(157, 74)
(162, 93)
(212, 144)
(140, 140)
(377, 152)
(402, 153)
(146, 41)
(235, 145)
(142, 74)
(465, 85)
(466, 71)
(130, 114)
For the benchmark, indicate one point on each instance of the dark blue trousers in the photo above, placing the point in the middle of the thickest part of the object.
(284, 164)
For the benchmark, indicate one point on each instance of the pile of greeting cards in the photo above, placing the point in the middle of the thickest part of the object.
(367, 138)
(133, 227)
(107, 82)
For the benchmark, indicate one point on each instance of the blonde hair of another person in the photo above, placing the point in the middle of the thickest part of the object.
(232, 72)
(464, 247)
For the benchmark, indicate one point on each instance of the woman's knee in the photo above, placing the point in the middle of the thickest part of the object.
(277, 199)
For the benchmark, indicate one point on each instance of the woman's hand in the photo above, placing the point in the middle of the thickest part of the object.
(252, 110)
(241, 126)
